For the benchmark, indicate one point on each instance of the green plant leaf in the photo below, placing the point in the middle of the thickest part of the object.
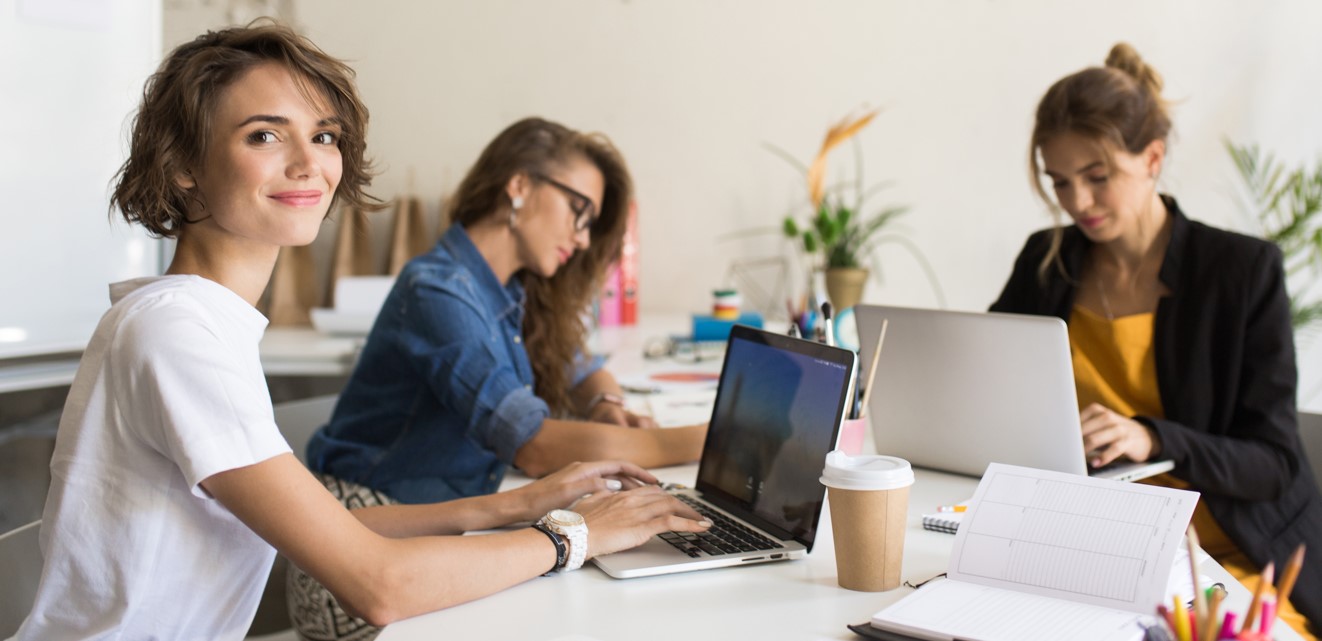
(790, 227)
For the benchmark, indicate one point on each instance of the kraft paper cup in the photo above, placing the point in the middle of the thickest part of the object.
(869, 498)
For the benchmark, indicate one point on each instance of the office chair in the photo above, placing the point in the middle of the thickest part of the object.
(1310, 432)
(20, 556)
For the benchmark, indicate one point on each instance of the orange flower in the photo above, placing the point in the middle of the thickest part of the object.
(841, 132)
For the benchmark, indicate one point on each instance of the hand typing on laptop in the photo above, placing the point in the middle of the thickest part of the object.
(622, 520)
(1109, 436)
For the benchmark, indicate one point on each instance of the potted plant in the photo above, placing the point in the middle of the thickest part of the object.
(838, 237)
(1287, 203)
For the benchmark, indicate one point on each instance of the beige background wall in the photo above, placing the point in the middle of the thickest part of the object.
(690, 90)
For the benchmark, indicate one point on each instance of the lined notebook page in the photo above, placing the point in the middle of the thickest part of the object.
(949, 609)
(1047, 556)
(1087, 540)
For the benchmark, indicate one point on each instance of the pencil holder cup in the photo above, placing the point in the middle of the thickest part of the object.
(852, 434)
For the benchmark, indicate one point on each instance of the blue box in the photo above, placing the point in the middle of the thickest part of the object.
(709, 328)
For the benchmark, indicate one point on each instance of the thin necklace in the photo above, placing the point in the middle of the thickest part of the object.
(1106, 304)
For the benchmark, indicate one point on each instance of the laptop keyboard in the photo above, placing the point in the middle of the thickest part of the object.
(723, 537)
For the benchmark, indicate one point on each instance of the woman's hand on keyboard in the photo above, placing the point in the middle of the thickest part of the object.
(622, 520)
(573, 482)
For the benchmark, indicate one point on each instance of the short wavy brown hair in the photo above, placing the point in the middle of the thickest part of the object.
(179, 102)
(553, 327)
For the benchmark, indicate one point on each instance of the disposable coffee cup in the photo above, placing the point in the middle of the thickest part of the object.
(869, 498)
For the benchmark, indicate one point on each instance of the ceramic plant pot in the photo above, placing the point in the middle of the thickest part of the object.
(844, 286)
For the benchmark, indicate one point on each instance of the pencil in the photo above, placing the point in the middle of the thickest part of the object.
(1292, 568)
(1210, 628)
(872, 371)
(1199, 599)
(1263, 581)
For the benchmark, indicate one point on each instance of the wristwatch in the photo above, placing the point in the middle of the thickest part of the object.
(604, 397)
(574, 529)
(561, 548)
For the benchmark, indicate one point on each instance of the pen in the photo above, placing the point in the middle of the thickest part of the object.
(951, 508)
(828, 332)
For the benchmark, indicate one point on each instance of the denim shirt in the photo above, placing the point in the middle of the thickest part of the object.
(441, 398)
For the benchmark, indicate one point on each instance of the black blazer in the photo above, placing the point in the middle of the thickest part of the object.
(1226, 375)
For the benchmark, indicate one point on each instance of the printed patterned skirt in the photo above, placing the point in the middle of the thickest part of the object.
(313, 611)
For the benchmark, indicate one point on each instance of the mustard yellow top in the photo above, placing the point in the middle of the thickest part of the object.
(1114, 365)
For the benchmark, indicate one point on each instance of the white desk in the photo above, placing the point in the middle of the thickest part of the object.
(785, 600)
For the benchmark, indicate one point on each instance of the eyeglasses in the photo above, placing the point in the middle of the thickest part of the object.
(585, 212)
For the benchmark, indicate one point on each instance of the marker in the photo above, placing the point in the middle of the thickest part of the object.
(952, 508)
(828, 326)
(1182, 631)
(1268, 617)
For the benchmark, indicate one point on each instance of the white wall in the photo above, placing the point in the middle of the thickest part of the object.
(691, 89)
(71, 75)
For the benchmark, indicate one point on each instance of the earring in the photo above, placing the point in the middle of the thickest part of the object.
(516, 203)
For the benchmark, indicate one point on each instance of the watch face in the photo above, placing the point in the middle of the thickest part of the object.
(565, 518)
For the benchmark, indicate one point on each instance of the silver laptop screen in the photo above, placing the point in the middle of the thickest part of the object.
(777, 410)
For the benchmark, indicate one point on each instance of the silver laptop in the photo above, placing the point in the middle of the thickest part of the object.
(955, 391)
(779, 406)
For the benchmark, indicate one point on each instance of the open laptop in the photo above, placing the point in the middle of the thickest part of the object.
(955, 391)
(779, 406)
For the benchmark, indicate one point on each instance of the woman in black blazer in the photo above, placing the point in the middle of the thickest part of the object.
(1180, 332)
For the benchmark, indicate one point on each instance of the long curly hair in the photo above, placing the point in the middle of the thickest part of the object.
(174, 121)
(553, 330)
(1118, 106)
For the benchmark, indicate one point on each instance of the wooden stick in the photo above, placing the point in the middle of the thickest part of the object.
(1199, 599)
(872, 371)
(1263, 581)
(1292, 568)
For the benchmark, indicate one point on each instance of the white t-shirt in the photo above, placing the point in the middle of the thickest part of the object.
(169, 392)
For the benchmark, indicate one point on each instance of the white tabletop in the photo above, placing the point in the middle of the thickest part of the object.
(785, 600)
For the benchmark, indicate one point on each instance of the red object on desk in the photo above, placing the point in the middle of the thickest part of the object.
(628, 271)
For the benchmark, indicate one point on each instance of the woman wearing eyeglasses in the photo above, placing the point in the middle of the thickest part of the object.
(477, 360)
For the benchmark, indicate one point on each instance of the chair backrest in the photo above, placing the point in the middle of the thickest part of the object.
(20, 556)
(1310, 432)
(299, 419)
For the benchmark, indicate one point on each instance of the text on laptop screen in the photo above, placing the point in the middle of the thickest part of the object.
(775, 416)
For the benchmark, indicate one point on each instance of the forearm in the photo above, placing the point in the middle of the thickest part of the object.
(1240, 468)
(595, 384)
(560, 443)
(422, 575)
(449, 517)
(381, 579)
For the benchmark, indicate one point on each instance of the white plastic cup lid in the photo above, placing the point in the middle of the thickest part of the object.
(874, 472)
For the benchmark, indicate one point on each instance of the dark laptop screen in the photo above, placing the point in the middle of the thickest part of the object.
(777, 410)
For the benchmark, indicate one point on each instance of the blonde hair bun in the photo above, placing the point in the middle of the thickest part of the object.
(1125, 58)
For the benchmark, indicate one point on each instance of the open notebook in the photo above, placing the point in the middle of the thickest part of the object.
(1045, 556)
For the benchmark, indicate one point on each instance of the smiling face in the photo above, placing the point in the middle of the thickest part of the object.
(545, 234)
(271, 165)
(1106, 191)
